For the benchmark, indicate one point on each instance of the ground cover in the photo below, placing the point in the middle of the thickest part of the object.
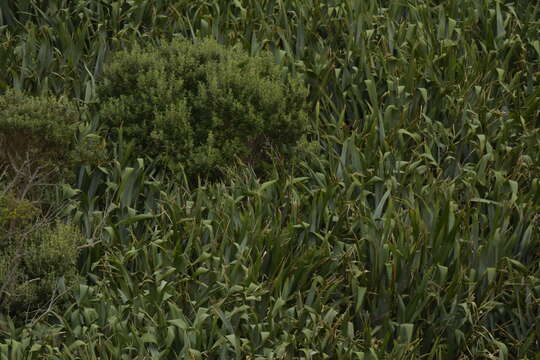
(404, 226)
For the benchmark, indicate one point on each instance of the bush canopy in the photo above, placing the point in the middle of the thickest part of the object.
(200, 106)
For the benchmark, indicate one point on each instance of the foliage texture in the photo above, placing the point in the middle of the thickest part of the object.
(201, 105)
(407, 229)
(43, 132)
(37, 258)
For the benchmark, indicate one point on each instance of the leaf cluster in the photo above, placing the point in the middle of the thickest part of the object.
(200, 106)
(44, 129)
(38, 258)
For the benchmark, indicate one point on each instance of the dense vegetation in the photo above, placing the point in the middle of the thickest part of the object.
(402, 224)
(198, 107)
(43, 134)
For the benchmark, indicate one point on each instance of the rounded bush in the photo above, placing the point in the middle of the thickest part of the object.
(201, 106)
(42, 130)
(38, 259)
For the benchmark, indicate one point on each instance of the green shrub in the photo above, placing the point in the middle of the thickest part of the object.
(34, 255)
(199, 106)
(43, 130)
